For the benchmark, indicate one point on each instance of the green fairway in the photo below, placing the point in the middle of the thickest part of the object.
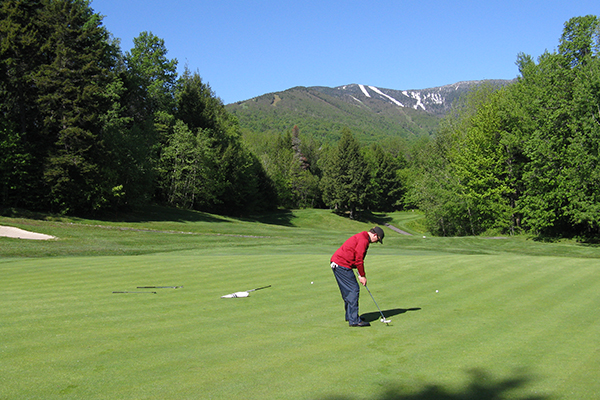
(472, 318)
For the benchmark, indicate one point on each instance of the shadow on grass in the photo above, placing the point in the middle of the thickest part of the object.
(150, 213)
(374, 316)
(281, 217)
(160, 213)
(372, 218)
(481, 386)
(21, 213)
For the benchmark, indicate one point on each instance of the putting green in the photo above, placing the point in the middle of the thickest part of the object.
(501, 325)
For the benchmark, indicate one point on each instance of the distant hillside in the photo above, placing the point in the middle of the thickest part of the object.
(370, 112)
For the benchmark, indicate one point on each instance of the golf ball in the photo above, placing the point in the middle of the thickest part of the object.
(311, 283)
(437, 291)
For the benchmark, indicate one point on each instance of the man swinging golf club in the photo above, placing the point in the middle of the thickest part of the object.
(351, 256)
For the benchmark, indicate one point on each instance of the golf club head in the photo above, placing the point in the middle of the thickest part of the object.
(385, 321)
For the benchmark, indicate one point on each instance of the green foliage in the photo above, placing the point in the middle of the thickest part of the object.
(345, 176)
(14, 164)
(56, 66)
(185, 169)
(524, 157)
(152, 75)
(290, 161)
(130, 151)
(561, 97)
(386, 185)
(224, 175)
(198, 106)
(86, 129)
(580, 39)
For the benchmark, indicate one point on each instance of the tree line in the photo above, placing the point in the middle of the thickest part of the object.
(525, 158)
(86, 128)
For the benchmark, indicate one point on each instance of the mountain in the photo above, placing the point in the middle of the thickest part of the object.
(369, 112)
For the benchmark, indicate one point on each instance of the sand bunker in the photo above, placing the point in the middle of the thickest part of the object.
(9, 231)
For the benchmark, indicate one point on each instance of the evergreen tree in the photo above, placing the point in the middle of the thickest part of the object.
(130, 151)
(22, 146)
(56, 65)
(199, 107)
(345, 176)
(304, 185)
(71, 82)
(386, 189)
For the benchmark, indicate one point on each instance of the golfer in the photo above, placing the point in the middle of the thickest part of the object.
(349, 256)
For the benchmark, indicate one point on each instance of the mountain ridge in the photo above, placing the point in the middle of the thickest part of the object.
(368, 111)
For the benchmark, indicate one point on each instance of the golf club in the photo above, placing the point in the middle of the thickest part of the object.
(137, 292)
(383, 319)
(159, 287)
(253, 290)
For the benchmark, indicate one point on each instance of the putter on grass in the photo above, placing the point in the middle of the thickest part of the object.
(137, 292)
(383, 319)
(242, 294)
(159, 287)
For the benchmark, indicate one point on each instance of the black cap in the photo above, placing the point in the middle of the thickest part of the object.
(380, 234)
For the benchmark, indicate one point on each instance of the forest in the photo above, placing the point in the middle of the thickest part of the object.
(88, 129)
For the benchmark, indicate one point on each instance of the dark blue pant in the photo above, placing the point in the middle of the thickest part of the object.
(350, 291)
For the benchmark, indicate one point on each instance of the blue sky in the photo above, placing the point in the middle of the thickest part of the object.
(244, 49)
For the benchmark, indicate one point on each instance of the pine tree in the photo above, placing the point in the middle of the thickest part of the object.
(345, 176)
(71, 100)
(56, 65)
(21, 144)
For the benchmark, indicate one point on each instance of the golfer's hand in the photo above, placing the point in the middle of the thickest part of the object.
(363, 280)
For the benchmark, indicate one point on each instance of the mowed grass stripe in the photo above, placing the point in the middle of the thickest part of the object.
(137, 316)
(501, 323)
(497, 313)
(503, 311)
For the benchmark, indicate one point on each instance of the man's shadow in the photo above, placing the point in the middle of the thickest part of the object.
(374, 316)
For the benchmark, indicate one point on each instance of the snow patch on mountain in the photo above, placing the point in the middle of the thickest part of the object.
(357, 99)
(436, 98)
(393, 100)
(417, 96)
(364, 90)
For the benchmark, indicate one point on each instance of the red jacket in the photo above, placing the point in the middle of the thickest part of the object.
(353, 252)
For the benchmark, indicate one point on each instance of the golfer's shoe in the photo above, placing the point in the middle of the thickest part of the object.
(361, 318)
(361, 324)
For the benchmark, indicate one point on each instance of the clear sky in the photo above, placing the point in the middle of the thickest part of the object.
(244, 48)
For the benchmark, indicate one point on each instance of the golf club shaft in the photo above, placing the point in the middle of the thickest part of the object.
(382, 316)
(254, 290)
(159, 287)
(136, 292)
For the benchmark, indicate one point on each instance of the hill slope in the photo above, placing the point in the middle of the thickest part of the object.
(370, 112)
